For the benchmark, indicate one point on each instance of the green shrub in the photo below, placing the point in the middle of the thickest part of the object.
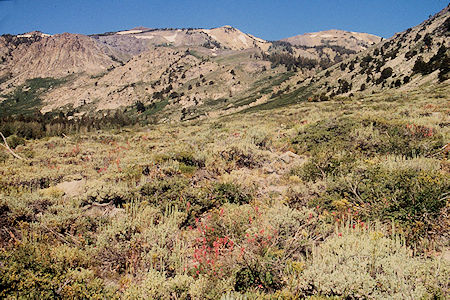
(404, 138)
(114, 244)
(261, 138)
(229, 192)
(415, 198)
(25, 99)
(117, 194)
(30, 271)
(323, 165)
(368, 136)
(386, 73)
(256, 276)
(175, 192)
(187, 162)
(185, 157)
(14, 141)
(3, 156)
(164, 190)
(156, 286)
(330, 134)
(242, 158)
(186, 169)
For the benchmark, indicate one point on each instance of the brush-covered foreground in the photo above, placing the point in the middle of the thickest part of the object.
(344, 199)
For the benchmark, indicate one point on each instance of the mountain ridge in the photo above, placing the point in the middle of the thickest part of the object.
(361, 41)
(397, 57)
(191, 73)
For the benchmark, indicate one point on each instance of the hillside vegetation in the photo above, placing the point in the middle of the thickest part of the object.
(344, 199)
(196, 73)
(210, 164)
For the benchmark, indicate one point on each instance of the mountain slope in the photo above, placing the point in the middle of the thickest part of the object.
(350, 40)
(137, 40)
(232, 38)
(203, 72)
(409, 59)
(54, 56)
(179, 74)
(185, 80)
(321, 49)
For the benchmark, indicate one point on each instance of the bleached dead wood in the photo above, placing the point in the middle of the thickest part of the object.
(6, 146)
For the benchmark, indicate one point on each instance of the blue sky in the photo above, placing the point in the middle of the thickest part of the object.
(268, 19)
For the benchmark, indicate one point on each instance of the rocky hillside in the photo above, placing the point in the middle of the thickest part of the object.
(177, 74)
(417, 56)
(137, 40)
(320, 50)
(182, 81)
(355, 41)
(36, 55)
(181, 74)
(8, 43)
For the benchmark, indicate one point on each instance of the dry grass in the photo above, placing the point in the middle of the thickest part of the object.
(144, 204)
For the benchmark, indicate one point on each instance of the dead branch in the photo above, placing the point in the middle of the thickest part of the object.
(6, 146)
(61, 287)
(96, 204)
(61, 237)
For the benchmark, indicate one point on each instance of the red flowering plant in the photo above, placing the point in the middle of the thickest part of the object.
(215, 239)
(419, 130)
(254, 245)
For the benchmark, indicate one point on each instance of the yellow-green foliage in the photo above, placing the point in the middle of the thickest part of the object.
(238, 207)
(156, 286)
(368, 264)
(52, 192)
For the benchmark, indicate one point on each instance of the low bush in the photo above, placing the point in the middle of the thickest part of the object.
(368, 136)
(229, 192)
(14, 141)
(117, 195)
(30, 270)
(177, 193)
(325, 164)
(363, 264)
(414, 198)
(241, 157)
(185, 157)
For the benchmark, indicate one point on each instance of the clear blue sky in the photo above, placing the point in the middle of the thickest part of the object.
(268, 19)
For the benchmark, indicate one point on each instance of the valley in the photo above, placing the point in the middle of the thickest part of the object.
(197, 163)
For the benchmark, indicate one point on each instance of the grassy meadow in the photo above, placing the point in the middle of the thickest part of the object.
(341, 199)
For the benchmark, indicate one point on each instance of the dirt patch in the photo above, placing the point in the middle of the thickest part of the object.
(72, 188)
